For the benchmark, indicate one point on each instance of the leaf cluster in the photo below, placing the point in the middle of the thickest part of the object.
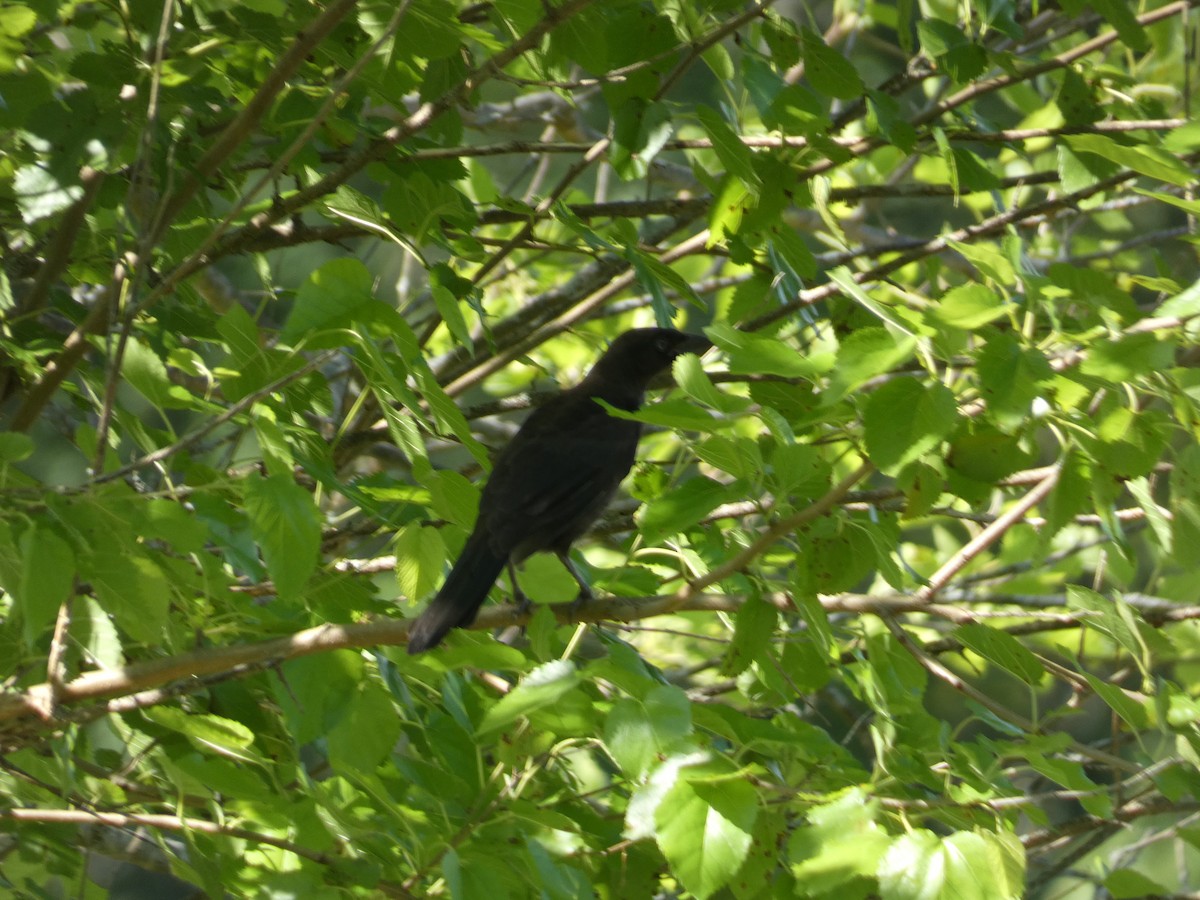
(902, 600)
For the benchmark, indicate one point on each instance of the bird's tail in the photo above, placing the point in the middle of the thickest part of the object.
(465, 589)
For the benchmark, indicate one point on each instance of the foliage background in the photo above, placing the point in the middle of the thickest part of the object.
(907, 606)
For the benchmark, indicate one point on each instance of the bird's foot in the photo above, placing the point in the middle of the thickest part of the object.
(582, 599)
(522, 605)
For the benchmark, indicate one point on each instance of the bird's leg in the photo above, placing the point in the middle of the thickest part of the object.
(585, 589)
(518, 595)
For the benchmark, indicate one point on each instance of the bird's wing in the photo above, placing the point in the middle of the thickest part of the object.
(557, 475)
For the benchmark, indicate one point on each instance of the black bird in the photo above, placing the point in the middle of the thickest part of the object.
(555, 476)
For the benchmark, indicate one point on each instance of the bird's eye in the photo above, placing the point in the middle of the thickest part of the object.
(662, 345)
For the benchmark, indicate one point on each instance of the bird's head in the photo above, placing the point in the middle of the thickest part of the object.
(638, 355)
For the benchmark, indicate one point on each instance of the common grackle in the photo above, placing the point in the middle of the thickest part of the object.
(555, 476)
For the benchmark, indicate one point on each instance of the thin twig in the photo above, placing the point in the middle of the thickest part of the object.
(194, 437)
(988, 536)
(163, 822)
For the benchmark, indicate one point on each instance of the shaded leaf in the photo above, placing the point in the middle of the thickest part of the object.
(543, 686)
(827, 70)
(336, 295)
(904, 419)
(704, 831)
(640, 732)
(287, 527)
(1004, 650)
(1142, 158)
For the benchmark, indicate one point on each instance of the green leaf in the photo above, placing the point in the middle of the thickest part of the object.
(1095, 288)
(40, 194)
(420, 557)
(974, 175)
(1076, 99)
(273, 444)
(1119, 701)
(97, 634)
(15, 446)
(1126, 443)
(800, 472)
(335, 296)
(841, 846)
(16, 21)
(128, 583)
(1186, 303)
(804, 668)
(287, 527)
(47, 578)
(779, 34)
(962, 59)
(1078, 172)
(1142, 490)
(753, 627)
(641, 814)
(545, 685)
(1010, 376)
(1071, 775)
(735, 156)
(756, 879)
(912, 868)
(312, 692)
(740, 457)
(704, 831)
(827, 70)
(885, 115)
(1113, 618)
(132, 588)
(864, 355)
(229, 530)
(949, 160)
(1125, 359)
(1129, 884)
(749, 353)
(690, 376)
(1185, 521)
(640, 129)
(921, 866)
(352, 206)
(729, 208)
(365, 736)
(450, 418)
(1190, 206)
(1120, 15)
(453, 497)
(990, 261)
(681, 507)
(986, 454)
(1142, 158)
(837, 557)
(969, 306)
(897, 680)
(794, 109)
(844, 278)
(639, 732)
(653, 274)
(794, 252)
(147, 374)
(442, 280)
(206, 732)
(558, 880)
(904, 420)
(246, 355)
(1003, 649)
(431, 30)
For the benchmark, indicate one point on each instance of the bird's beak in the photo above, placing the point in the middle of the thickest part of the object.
(693, 343)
